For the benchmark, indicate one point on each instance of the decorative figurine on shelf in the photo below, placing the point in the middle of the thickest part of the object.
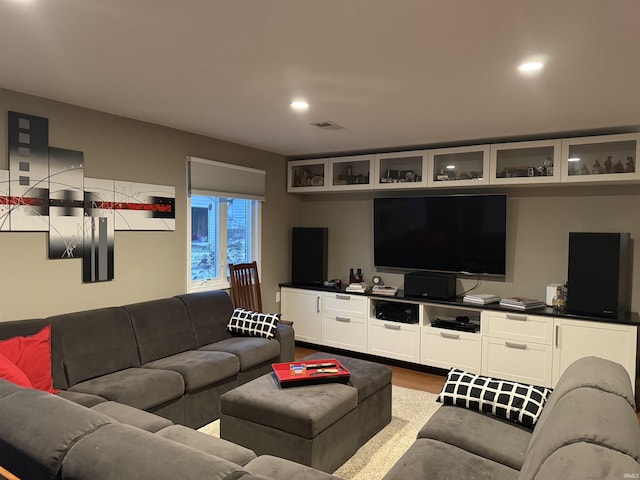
(630, 167)
(618, 167)
(584, 170)
(596, 169)
(608, 165)
(548, 166)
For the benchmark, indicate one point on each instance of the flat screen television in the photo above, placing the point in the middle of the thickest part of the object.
(456, 233)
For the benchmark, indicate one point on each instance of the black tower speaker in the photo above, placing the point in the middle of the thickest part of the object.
(599, 277)
(309, 255)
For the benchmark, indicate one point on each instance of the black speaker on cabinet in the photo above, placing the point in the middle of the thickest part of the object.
(309, 248)
(599, 276)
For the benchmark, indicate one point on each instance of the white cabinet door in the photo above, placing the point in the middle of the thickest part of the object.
(525, 362)
(521, 327)
(579, 338)
(346, 332)
(449, 348)
(303, 308)
(394, 340)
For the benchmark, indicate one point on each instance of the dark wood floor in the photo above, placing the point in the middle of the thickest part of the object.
(404, 377)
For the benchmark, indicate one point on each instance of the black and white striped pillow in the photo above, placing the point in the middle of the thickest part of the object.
(253, 324)
(513, 401)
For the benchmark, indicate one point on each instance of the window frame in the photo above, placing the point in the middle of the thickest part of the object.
(222, 281)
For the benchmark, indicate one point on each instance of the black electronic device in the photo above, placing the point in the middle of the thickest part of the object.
(453, 233)
(439, 286)
(309, 248)
(456, 325)
(599, 274)
(396, 311)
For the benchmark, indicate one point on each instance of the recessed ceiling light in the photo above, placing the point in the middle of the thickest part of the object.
(573, 159)
(531, 67)
(451, 167)
(299, 105)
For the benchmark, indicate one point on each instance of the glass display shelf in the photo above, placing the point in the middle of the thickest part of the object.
(459, 166)
(401, 170)
(525, 162)
(602, 158)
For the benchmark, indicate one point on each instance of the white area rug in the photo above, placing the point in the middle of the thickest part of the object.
(410, 411)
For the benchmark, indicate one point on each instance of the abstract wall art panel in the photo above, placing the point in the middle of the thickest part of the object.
(141, 206)
(66, 203)
(45, 190)
(5, 204)
(29, 172)
(99, 199)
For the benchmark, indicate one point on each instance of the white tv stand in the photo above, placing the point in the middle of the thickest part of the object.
(529, 347)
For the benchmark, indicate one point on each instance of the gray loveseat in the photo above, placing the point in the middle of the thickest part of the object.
(587, 430)
(172, 356)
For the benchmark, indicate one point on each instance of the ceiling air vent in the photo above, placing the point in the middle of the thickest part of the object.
(327, 125)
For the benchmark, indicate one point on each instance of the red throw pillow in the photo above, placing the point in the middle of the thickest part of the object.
(32, 355)
(10, 372)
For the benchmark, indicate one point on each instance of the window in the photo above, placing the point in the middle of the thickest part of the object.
(224, 226)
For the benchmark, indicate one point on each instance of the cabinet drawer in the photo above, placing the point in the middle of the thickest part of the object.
(448, 348)
(345, 304)
(394, 340)
(349, 333)
(518, 326)
(520, 361)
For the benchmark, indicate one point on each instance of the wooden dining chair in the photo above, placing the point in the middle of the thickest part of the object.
(245, 286)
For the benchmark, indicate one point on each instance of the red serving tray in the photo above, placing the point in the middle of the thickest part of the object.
(283, 373)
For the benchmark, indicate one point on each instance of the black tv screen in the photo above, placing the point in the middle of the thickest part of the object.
(455, 233)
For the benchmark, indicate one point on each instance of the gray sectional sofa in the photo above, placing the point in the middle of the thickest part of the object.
(587, 430)
(172, 356)
(44, 436)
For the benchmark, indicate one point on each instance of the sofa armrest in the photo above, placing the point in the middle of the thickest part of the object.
(284, 335)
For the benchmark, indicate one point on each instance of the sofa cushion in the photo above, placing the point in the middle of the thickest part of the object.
(95, 342)
(588, 461)
(484, 435)
(7, 388)
(10, 372)
(85, 399)
(126, 452)
(162, 328)
(132, 416)
(584, 415)
(268, 466)
(208, 313)
(251, 351)
(208, 444)
(142, 388)
(31, 355)
(199, 368)
(514, 401)
(30, 327)
(429, 459)
(253, 324)
(38, 429)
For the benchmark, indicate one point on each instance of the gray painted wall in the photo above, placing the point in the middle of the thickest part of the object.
(538, 224)
(152, 265)
(148, 265)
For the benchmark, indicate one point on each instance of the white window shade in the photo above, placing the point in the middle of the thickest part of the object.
(207, 177)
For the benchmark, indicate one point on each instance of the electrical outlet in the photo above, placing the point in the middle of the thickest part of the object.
(277, 297)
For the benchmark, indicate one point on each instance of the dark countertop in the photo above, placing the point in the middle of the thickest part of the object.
(631, 318)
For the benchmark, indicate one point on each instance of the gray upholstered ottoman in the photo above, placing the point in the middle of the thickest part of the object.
(373, 382)
(316, 425)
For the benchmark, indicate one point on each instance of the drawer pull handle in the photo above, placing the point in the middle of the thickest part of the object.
(522, 318)
(519, 346)
(391, 327)
(452, 336)
(343, 297)
(343, 319)
(317, 304)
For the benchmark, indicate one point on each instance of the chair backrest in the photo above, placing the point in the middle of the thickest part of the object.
(245, 286)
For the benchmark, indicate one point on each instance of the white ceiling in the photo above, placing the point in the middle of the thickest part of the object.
(394, 73)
